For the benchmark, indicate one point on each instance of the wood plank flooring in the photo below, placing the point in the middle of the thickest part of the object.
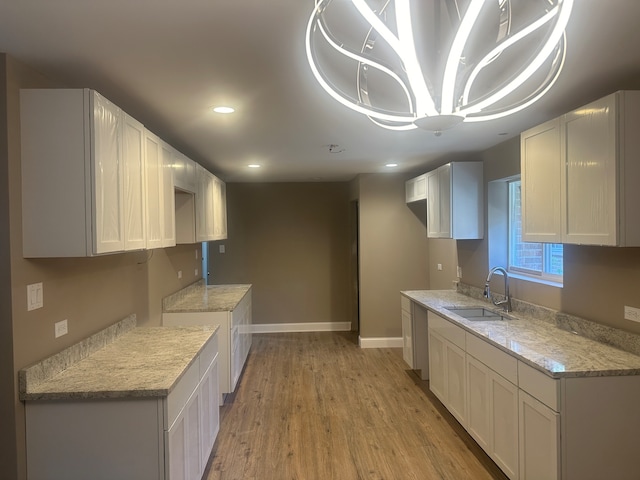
(314, 406)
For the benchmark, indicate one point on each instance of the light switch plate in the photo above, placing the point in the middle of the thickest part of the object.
(221, 248)
(34, 296)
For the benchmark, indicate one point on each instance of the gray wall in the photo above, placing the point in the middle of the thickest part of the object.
(291, 242)
(393, 253)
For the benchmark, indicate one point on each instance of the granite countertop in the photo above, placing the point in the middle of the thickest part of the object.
(539, 343)
(142, 362)
(199, 297)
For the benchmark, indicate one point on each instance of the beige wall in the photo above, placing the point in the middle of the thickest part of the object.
(91, 293)
(393, 253)
(598, 281)
(291, 242)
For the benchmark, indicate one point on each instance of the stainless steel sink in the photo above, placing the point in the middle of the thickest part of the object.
(477, 314)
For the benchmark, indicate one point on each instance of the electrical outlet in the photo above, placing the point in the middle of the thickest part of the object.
(61, 328)
(440, 267)
(459, 272)
(196, 272)
(221, 248)
(631, 313)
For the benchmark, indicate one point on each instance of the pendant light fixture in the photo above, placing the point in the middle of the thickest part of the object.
(433, 64)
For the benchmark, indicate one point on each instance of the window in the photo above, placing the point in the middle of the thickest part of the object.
(542, 260)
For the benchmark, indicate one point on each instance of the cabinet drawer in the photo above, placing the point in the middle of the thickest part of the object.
(446, 329)
(208, 354)
(406, 303)
(539, 385)
(500, 362)
(180, 394)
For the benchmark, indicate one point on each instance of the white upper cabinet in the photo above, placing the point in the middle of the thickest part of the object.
(455, 198)
(416, 189)
(184, 173)
(73, 175)
(211, 207)
(597, 200)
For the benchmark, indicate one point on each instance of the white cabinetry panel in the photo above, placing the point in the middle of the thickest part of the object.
(455, 199)
(72, 174)
(596, 153)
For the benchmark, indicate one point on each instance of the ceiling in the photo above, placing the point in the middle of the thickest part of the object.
(166, 62)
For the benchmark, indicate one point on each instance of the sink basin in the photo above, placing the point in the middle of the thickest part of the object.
(477, 314)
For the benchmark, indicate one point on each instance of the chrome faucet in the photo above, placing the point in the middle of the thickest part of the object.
(506, 303)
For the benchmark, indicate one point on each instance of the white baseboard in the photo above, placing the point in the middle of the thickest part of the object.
(301, 327)
(381, 342)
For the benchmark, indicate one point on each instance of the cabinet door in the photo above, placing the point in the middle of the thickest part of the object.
(168, 197)
(437, 365)
(416, 189)
(539, 440)
(176, 447)
(153, 182)
(504, 424)
(407, 338)
(107, 173)
(183, 442)
(204, 206)
(220, 209)
(478, 399)
(444, 201)
(455, 382)
(134, 187)
(589, 141)
(542, 174)
(184, 173)
(210, 412)
(433, 201)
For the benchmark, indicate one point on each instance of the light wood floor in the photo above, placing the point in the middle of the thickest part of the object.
(314, 406)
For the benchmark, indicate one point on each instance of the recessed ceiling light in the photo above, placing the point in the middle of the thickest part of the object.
(223, 109)
(253, 165)
(390, 165)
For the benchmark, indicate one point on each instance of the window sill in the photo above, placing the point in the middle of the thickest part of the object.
(530, 278)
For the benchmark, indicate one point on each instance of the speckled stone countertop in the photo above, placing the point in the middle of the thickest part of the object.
(539, 343)
(199, 297)
(142, 362)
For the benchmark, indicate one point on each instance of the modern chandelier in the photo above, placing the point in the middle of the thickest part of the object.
(433, 64)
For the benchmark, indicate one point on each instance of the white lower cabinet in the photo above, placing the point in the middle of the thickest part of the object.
(539, 439)
(129, 438)
(492, 417)
(234, 334)
(447, 372)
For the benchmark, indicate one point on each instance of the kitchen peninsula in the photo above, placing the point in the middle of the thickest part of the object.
(227, 306)
(127, 403)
